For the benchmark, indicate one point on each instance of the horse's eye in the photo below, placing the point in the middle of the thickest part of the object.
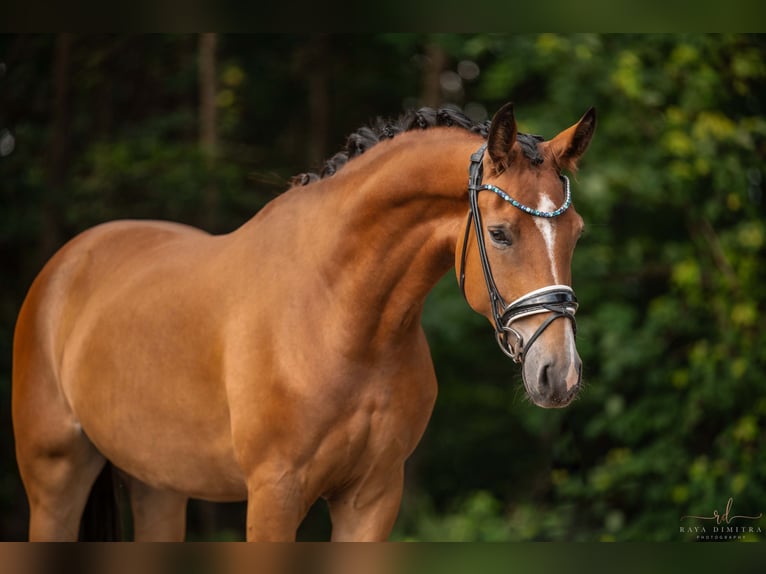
(499, 236)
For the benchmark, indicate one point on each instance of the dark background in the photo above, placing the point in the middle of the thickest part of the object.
(670, 274)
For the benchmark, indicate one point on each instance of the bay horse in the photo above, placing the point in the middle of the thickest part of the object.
(285, 361)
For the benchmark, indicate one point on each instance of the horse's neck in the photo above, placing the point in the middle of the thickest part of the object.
(395, 216)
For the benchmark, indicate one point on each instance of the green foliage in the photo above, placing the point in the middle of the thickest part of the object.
(478, 517)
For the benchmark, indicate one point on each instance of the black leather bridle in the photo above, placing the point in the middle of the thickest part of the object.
(558, 300)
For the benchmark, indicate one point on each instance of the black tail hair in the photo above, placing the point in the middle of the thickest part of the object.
(101, 517)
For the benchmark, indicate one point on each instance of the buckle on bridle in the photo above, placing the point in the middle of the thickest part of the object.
(513, 350)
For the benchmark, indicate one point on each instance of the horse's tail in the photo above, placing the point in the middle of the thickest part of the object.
(101, 517)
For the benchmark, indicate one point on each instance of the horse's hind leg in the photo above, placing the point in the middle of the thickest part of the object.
(57, 462)
(158, 515)
(58, 478)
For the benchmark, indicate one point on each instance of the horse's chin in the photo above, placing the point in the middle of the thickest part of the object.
(551, 402)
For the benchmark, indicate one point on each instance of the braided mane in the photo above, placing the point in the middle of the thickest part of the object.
(381, 129)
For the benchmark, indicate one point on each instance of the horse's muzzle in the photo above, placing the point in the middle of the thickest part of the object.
(552, 383)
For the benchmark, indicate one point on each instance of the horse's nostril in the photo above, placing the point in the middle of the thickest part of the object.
(544, 381)
(553, 386)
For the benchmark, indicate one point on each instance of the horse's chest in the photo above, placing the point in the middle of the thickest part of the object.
(385, 420)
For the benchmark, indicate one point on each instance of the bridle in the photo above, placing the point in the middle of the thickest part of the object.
(558, 300)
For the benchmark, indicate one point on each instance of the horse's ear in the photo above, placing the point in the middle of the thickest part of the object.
(571, 144)
(502, 136)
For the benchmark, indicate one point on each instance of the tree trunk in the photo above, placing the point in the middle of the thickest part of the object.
(319, 98)
(435, 63)
(208, 120)
(55, 176)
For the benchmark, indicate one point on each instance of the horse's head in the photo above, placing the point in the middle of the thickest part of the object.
(518, 272)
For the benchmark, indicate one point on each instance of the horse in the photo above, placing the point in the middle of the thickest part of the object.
(285, 361)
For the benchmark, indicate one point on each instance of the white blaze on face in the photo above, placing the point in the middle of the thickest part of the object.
(548, 231)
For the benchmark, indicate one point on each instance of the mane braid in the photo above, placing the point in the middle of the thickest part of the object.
(381, 129)
(529, 147)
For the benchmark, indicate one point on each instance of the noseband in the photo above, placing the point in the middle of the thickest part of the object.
(558, 300)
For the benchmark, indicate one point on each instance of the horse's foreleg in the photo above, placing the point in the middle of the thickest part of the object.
(367, 511)
(276, 505)
(158, 515)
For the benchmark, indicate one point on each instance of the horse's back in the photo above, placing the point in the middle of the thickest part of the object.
(68, 281)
